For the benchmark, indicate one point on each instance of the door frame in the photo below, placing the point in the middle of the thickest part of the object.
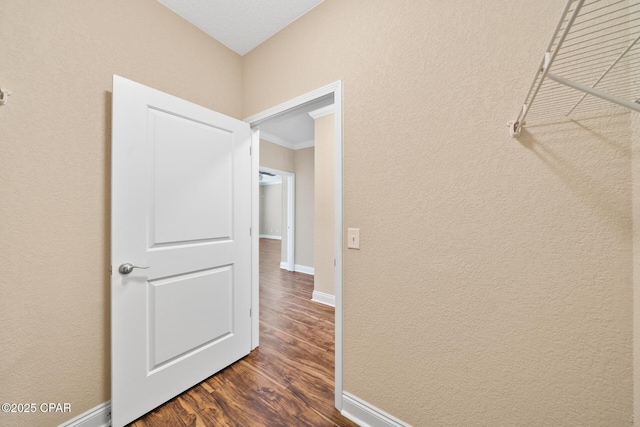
(255, 120)
(291, 214)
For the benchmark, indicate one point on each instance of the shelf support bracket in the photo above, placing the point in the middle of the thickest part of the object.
(515, 126)
(4, 96)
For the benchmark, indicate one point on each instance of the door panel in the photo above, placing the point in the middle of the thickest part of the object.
(196, 302)
(181, 206)
(192, 180)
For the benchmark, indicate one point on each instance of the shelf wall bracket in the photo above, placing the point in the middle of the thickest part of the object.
(4, 96)
(515, 126)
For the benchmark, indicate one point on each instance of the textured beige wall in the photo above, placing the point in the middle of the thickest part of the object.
(58, 58)
(324, 211)
(494, 281)
(271, 209)
(275, 156)
(304, 159)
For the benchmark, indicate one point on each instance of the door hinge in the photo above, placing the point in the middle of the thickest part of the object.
(250, 151)
(250, 313)
(249, 231)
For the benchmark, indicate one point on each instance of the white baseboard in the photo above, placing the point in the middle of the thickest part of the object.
(269, 236)
(297, 267)
(367, 415)
(322, 298)
(304, 269)
(100, 416)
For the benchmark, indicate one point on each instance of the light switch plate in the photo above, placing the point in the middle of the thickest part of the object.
(353, 238)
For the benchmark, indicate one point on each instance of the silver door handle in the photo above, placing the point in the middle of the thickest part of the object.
(127, 268)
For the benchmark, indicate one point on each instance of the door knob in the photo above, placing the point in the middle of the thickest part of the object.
(127, 268)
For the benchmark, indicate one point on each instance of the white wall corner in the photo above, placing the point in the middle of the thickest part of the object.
(324, 111)
(322, 298)
(305, 269)
(367, 415)
(100, 416)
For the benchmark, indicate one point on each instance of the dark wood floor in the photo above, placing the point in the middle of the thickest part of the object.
(287, 381)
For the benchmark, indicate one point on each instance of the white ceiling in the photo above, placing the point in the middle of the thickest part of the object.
(241, 25)
(294, 128)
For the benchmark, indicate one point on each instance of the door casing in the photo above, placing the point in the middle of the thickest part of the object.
(334, 89)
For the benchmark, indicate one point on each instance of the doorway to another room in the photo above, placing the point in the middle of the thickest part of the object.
(277, 212)
(323, 105)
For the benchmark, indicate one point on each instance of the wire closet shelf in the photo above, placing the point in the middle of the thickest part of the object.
(593, 58)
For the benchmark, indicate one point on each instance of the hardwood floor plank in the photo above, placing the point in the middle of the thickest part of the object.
(261, 360)
(166, 415)
(320, 336)
(288, 406)
(306, 319)
(294, 353)
(317, 312)
(241, 397)
(287, 381)
(291, 284)
(189, 412)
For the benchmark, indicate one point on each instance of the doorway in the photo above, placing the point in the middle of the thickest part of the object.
(333, 91)
(285, 231)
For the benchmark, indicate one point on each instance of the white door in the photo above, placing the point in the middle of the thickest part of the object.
(181, 208)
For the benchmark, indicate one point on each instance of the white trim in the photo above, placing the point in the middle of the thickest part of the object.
(291, 221)
(270, 183)
(99, 416)
(329, 89)
(366, 415)
(270, 236)
(269, 137)
(277, 140)
(334, 89)
(305, 269)
(321, 112)
(322, 298)
(284, 265)
(255, 242)
(305, 144)
(337, 178)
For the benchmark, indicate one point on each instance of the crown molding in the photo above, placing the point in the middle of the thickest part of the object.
(285, 143)
(321, 112)
(305, 144)
(276, 140)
